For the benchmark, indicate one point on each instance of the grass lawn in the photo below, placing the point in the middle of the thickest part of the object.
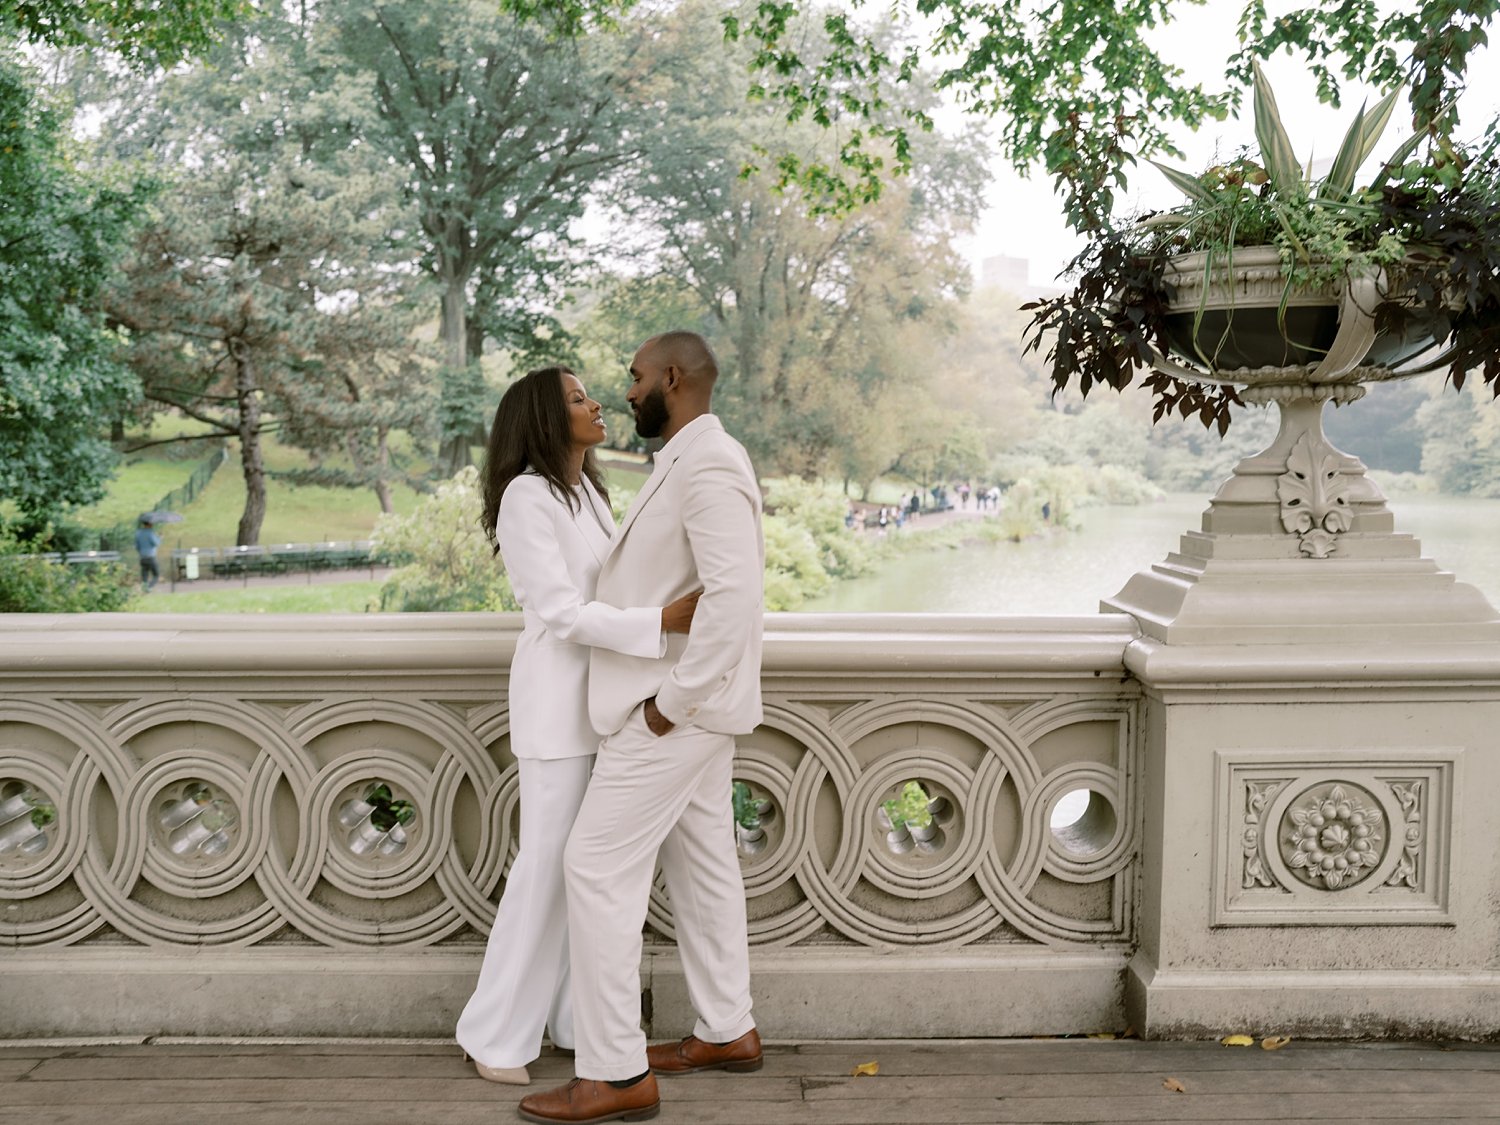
(137, 487)
(342, 597)
(294, 513)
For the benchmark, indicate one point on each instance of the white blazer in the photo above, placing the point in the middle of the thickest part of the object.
(695, 523)
(552, 555)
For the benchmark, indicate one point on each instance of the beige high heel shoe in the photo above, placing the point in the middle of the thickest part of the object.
(509, 1075)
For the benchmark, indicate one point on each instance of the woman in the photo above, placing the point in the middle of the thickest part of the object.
(546, 513)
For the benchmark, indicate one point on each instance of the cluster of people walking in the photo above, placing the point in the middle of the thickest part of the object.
(912, 504)
(638, 663)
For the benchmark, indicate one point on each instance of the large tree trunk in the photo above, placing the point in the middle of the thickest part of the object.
(382, 466)
(453, 330)
(251, 460)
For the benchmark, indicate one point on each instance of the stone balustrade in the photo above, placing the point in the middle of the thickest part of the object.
(300, 825)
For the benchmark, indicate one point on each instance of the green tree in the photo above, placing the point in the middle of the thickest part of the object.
(501, 131)
(809, 309)
(1461, 443)
(143, 32)
(1079, 87)
(61, 228)
(262, 298)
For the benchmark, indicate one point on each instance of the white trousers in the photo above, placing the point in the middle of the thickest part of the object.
(650, 798)
(524, 980)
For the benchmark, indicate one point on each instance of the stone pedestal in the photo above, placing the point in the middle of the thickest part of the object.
(1321, 708)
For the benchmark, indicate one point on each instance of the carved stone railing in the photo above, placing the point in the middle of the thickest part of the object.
(301, 825)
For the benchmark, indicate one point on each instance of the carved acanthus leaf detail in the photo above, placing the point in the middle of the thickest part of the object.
(1314, 496)
(1258, 795)
(1409, 794)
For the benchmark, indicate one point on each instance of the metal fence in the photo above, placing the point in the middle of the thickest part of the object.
(121, 537)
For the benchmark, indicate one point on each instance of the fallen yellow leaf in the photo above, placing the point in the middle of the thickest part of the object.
(1275, 1042)
(1175, 1086)
(1238, 1041)
(866, 1068)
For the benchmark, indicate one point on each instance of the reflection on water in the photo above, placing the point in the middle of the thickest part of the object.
(1070, 573)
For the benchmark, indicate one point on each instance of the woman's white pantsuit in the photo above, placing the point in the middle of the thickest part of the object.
(552, 555)
(523, 984)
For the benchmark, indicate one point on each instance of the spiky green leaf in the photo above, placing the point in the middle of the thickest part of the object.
(1364, 133)
(1276, 151)
(1396, 159)
(1186, 183)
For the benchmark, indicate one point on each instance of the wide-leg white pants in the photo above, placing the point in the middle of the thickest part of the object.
(524, 980)
(651, 797)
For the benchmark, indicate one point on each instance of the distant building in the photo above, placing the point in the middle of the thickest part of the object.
(1012, 275)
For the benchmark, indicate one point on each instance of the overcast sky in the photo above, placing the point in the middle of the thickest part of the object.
(1024, 219)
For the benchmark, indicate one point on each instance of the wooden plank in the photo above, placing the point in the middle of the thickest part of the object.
(397, 1092)
(962, 1083)
(394, 1067)
(1149, 1082)
(1129, 1057)
(1176, 1108)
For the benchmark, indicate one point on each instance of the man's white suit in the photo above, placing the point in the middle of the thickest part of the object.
(695, 524)
(552, 555)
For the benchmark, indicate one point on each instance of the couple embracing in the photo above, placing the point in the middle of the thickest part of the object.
(638, 664)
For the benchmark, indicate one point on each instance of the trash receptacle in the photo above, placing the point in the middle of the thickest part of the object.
(190, 567)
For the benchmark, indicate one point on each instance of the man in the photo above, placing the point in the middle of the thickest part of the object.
(146, 543)
(661, 786)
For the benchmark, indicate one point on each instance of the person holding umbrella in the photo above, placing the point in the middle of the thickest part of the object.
(146, 542)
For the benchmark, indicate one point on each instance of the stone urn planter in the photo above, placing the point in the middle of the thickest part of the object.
(1239, 320)
(1241, 324)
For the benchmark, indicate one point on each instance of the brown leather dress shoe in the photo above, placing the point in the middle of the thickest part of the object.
(585, 1100)
(693, 1054)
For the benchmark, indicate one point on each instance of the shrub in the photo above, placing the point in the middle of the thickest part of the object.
(449, 564)
(35, 585)
(794, 570)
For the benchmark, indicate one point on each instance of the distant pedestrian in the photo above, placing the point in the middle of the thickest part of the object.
(146, 542)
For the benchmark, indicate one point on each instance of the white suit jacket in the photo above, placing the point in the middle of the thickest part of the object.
(695, 523)
(552, 555)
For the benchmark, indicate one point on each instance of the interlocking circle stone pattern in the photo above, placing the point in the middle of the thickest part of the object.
(353, 820)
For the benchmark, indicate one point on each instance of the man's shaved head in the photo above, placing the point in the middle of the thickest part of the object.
(686, 351)
(671, 382)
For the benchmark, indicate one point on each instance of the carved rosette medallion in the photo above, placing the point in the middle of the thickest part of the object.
(1333, 835)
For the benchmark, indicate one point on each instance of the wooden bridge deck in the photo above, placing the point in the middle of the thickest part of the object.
(985, 1082)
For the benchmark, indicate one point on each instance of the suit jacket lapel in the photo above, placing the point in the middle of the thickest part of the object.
(653, 482)
(592, 523)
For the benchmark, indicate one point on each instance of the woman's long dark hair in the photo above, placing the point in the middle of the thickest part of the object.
(532, 431)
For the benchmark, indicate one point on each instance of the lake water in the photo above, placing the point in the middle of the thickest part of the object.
(1068, 573)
